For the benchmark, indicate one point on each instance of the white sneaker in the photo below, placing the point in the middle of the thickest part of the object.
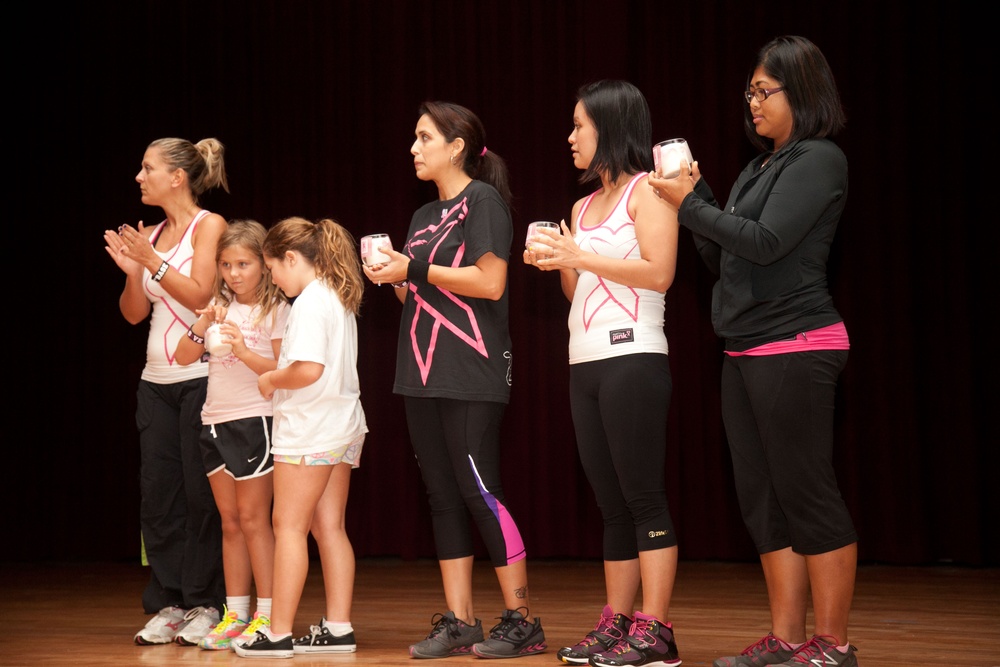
(199, 622)
(162, 628)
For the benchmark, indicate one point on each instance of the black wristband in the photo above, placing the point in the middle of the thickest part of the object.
(161, 272)
(195, 337)
(417, 270)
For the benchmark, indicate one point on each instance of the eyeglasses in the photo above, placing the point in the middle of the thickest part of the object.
(761, 94)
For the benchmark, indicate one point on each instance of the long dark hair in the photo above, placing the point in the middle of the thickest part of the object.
(801, 68)
(454, 121)
(624, 129)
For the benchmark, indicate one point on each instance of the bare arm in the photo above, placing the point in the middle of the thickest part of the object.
(191, 292)
(188, 351)
(486, 279)
(656, 231)
(296, 375)
(254, 361)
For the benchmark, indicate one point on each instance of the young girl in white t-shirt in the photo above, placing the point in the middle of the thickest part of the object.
(236, 423)
(319, 430)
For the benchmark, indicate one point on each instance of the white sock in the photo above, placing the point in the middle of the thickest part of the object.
(274, 637)
(264, 606)
(240, 604)
(338, 629)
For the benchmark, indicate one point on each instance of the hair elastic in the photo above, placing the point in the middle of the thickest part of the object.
(484, 152)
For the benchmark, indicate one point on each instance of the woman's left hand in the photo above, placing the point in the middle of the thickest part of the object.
(562, 252)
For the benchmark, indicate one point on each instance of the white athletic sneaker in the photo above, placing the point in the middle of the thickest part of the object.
(200, 621)
(162, 628)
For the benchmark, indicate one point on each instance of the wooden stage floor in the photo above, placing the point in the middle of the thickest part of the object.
(86, 614)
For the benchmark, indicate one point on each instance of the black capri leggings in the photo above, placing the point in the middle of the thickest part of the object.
(457, 445)
(619, 408)
(778, 411)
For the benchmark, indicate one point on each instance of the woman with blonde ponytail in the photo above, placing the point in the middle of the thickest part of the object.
(170, 273)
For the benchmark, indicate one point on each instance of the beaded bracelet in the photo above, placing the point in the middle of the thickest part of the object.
(161, 272)
(402, 284)
(195, 337)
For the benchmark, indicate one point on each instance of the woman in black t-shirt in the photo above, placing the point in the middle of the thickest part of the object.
(453, 366)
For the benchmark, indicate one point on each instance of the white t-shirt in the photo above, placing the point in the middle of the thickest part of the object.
(232, 385)
(327, 414)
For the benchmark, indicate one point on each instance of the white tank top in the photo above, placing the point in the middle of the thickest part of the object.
(170, 319)
(607, 319)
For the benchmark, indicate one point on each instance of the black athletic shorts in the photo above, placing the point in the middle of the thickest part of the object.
(242, 447)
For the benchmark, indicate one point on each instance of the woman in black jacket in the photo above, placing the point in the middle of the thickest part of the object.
(785, 346)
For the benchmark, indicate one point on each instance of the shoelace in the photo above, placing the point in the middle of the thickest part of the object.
(256, 624)
(196, 612)
(606, 623)
(605, 627)
(443, 623)
(314, 632)
(505, 626)
(812, 648)
(760, 646)
(639, 629)
(228, 619)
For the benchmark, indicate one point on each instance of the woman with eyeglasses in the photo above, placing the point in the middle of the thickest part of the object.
(785, 346)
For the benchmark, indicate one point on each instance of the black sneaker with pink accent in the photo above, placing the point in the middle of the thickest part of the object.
(649, 642)
(611, 629)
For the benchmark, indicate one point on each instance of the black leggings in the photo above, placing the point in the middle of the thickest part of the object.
(778, 412)
(619, 410)
(457, 445)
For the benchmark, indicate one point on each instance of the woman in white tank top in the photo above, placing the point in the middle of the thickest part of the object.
(616, 260)
(170, 272)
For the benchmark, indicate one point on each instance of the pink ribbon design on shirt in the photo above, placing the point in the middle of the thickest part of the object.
(456, 323)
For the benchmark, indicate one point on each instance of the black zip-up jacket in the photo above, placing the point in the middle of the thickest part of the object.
(770, 245)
